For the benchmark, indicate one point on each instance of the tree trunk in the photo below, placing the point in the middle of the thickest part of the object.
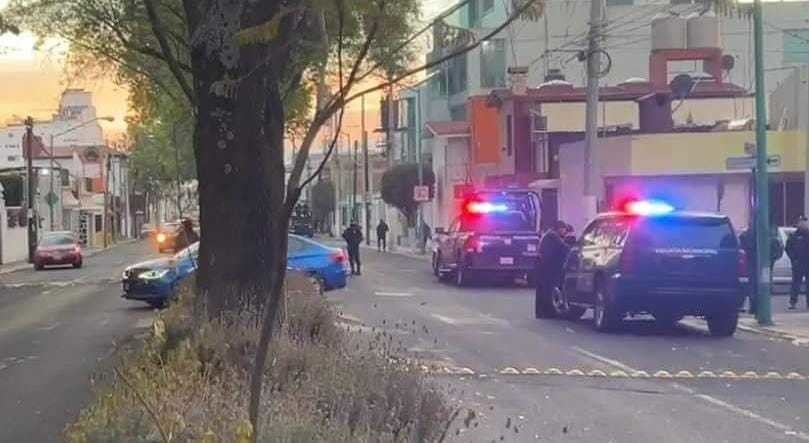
(240, 159)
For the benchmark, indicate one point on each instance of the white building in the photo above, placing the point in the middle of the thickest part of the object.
(75, 108)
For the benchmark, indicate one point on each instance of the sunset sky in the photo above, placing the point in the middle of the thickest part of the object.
(31, 81)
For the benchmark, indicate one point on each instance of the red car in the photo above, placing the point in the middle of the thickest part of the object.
(58, 249)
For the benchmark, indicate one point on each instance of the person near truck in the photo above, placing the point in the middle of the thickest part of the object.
(353, 237)
(798, 252)
(553, 251)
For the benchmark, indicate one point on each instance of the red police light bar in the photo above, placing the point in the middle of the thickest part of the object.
(477, 207)
(647, 208)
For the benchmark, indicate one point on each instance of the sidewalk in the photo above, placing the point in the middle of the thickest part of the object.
(790, 326)
(399, 250)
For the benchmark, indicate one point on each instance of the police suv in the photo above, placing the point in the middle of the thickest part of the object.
(495, 236)
(652, 259)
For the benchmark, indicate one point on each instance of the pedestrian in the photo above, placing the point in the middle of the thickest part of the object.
(353, 237)
(187, 236)
(553, 251)
(748, 243)
(798, 252)
(382, 236)
(426, 234)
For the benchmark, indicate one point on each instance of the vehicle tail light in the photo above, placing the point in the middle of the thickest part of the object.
(161, 237)
(339, 257)
(743, 264)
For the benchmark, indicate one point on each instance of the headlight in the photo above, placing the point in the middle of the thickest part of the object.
(154, 275)
(161, 238)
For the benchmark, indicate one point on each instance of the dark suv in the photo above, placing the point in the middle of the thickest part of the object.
(669, 265)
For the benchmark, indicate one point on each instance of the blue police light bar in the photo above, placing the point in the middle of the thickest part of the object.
(648, 208)
(485, 207)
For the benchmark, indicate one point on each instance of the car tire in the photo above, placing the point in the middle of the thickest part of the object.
(157, 304)
(436, 266)
(319, 284)
(723, 324)
(38, 267)
(78, 265)
(605, 316)
(562, 309)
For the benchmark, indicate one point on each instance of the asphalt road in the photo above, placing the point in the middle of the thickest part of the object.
(481, 332)
(55, 327)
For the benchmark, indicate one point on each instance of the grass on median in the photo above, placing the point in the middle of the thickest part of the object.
(189, 382)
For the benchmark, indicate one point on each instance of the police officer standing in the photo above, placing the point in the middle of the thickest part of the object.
(553, 251)
(353, 237)
(382, 235)
(798, 252)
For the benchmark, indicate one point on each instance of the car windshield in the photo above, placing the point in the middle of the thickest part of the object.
(57, 240)
(696, 233)
(496, 222)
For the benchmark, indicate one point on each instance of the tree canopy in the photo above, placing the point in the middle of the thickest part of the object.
(398, 183)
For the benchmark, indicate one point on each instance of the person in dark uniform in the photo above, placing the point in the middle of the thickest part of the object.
(553, 251)
(382, 235)
(798, 252)
(353, 237)
(748, 243)
(187, 235)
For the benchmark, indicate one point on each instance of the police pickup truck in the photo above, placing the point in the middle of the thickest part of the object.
(495, 236)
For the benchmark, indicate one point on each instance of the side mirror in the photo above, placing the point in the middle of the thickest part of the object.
(440, 231)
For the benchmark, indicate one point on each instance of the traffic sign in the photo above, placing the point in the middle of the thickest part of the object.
(51, 198)
(421, 193)
(749, 162)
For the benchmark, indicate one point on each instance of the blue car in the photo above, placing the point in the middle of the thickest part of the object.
(154, 281)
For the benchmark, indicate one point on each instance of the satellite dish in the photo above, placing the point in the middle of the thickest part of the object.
(681, 85)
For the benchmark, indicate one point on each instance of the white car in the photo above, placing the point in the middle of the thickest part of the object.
(782, 270)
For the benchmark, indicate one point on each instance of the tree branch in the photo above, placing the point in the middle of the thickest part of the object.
(174, 65)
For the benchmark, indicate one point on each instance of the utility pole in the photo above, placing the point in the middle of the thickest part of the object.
(420, 214)
(355, 164)
(33, 222)
(367, 181)
(177, 170)
(546, 60)
(764, 309)
(106, 218)
(591, 119)
(51, 196)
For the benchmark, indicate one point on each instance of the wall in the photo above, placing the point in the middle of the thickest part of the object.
(13, 241)
(789, 102)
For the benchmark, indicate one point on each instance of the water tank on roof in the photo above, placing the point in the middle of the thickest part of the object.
(668, 32)
(703, 31)
(556, 84)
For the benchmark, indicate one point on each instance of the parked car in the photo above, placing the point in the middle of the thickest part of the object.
(652, 259)
(58, 249)
(495, 235)
(155, 281)
(782, 270)
(327, 265)
(146, 231)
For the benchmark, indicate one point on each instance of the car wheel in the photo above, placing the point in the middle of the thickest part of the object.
(157, 304)
(436, 266)
(605, 316)
(562, 308)
(78, 265)
(543, 306)
(38, 267)
(723, 324)
(462, 277)
(319, 284)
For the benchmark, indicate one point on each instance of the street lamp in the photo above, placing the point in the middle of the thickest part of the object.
(52, 196)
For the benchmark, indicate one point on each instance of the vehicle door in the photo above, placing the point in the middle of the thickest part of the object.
(298, 254)
(583, 262)
(187, 261)
(448, 246)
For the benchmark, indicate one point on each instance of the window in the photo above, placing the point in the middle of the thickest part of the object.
(99, 223)
(487, 7)
(474, 13)
(456, 75)
(688, 233)
(457, 113)
(65, 176)
(12, 158)
(590, 236)
(295, 245)
(796, 46)
(493, 63)
(455, 226)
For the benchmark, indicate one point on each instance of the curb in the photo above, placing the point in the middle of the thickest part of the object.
(794, 339)
(333, 242)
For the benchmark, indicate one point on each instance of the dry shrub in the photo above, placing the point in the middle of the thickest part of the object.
(190, 382)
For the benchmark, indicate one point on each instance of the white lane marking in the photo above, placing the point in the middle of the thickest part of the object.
(393, 294)
(447, 320)
(706, 398)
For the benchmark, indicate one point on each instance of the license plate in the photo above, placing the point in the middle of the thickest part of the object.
(126, 286)
(506, 260)
(531, 247)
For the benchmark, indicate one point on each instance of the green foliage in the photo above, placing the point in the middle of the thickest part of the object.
(6, 27)
(397, 187)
